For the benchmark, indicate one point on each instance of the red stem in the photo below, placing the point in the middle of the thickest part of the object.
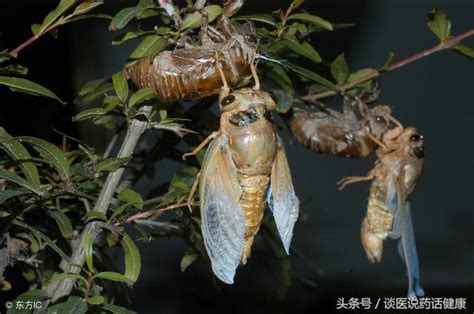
(375, 73)
(35, 37)
(153, 212)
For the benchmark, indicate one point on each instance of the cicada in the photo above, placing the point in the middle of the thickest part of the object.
(244, 169)
(343, 134)
(192, 71)
(400, 162)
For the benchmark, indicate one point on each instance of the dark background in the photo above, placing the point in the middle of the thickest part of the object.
(433, 94)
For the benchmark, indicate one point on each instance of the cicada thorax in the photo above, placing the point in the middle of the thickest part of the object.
(340, 134)
(253, 143)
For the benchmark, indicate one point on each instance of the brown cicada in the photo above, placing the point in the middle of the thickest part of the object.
(193, 72)
(343, 134)
(400, 162)
(244, 168)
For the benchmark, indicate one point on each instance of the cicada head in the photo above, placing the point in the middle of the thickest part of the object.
(412, 143)
(245, 106)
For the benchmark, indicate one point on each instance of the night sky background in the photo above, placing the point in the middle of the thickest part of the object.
(433, 94)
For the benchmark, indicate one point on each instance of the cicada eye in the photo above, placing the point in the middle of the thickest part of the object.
(252, 39)
(416, 137)
(227, 100)
(380, 120)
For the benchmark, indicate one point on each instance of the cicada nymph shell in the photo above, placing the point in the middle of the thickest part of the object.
(399, 165)
(343, 134)
(192, 72)
(245, 167)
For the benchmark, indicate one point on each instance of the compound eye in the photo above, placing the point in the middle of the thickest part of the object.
(252, 39)
(416, 137)
(380, 120)
(227, 100)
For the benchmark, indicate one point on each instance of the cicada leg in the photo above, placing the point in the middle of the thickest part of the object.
(225, 90)
(254, 71)
(395, 121)
(212, 136)
(190, 199)
(353, 179)
(376, 140)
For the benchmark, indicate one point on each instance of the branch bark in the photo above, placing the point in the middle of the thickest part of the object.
(395, 65)
(62, 288)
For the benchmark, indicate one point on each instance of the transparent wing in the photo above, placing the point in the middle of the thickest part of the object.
(281, 197)
(222, 218)
(403, 229)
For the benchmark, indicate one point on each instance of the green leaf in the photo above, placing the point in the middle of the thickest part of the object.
(141, 95)
(129, 196)
(43, 237)
(281, 77)
(7, 194)
(117, 309)
(50, 153)
(125, 37)
(89, 114)
(387, 63)
(89, 251)
(88, 16)
(465, 50)
(149, 46)
(62, 276)
(303, 49)
(313, 19)
(21, 156)
(112, 164)
(63, 6)
(124, 16)
(29, 296)
(90, 87)
(109, 275)
(63, 223)
(96, 214)
(73, 305)
(100, 91)
(120, 210)
(86, 7)
(120, 85)
(5, 56)
(340, 69)
(14, 69)
(194, 20)
(16, 84)
(187, 260)
(360, 74)
(438, 24)
(95, 300)
(133, 262)
(10, 176)
(284, 100)
(263, 18)
(310, 75)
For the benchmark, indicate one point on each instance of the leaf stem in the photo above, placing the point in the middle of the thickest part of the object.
(393, 66)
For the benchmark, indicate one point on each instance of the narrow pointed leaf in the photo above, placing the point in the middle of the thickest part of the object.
(63, 222)
(16, 84)
(12, 177)
(63, 6)
(194, 20)
(340, 69)
(133, 262)
(313, 19)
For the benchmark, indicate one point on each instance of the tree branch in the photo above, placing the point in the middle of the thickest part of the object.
(393, 66)
(35, 37)
(61, 288)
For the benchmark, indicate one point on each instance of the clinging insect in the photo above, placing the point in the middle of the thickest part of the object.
(400, 162)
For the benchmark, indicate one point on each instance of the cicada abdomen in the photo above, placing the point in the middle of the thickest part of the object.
(399, 165)
(245, 168)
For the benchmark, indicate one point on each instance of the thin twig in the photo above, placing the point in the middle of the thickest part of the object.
(110, 146)
(395, 65)
(61, 288)
(35, 37)
(154, 212)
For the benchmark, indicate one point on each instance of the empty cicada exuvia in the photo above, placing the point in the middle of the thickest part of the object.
(400, 162)
(244, 168)
(343, 134)
(192, 71)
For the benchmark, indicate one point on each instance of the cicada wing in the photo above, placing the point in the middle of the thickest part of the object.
(403, 229)
(222, 218)
(282, 199)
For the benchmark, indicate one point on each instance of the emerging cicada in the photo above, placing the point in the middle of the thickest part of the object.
(400, 162)
(342, 134)
(192, 72)
(244, 168)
